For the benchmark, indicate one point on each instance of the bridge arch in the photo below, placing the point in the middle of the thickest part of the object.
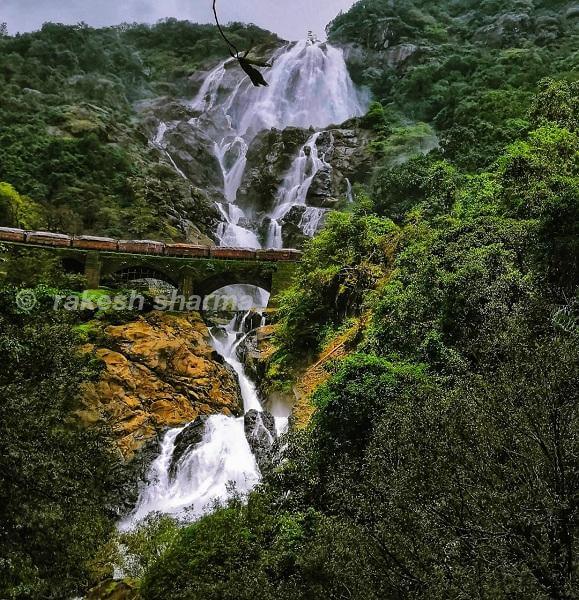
(72, 265)
(212, 284)
(126, 275)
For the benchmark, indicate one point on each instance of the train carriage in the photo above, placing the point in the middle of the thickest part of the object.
(89, 242)
(47, 238)
(273, 254)
(232, 253)
(9, 234)
(187, 250)
(141, 247)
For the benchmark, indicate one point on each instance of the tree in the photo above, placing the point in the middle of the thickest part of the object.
(55, 475)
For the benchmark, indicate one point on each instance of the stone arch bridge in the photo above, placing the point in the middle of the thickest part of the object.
(193, 270)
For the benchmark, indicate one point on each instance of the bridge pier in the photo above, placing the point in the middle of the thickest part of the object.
(187, 285)
(92, 270)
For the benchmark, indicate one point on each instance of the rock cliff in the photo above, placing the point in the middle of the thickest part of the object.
(160, 371)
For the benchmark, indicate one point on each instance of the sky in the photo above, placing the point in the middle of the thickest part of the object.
(290, 19)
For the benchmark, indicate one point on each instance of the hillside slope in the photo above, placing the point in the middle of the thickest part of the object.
(71, 138)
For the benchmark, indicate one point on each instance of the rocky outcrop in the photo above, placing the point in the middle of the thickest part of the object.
(193, 214)
(256, 352)
(189, 437)
(292, 234)
(346, 150)
(192, 150)
(261, 436)
(160, 371)
(268, 159)
(366, 63)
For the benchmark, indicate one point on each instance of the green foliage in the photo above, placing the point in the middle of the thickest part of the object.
(557, 102)
(55, 476)
(69, 136)
(540, 179)
(207, 561)
(31, 267)
(407, 487)
(472, 68)
(452, 287)
(135, 552)
(397, 144)
(17, 210)
(352, 401)
(421, 183)
(441, 460)
(340, 266)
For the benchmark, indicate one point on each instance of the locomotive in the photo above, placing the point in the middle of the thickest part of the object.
(177, 250)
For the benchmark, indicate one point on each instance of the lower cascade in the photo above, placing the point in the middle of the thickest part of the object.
(206, 461)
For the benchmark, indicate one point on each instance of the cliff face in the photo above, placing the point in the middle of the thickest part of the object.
(160, 371)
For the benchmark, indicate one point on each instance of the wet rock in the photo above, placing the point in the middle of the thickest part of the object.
(163, 109)
(366, 62)
(292, 234)
(128, 476)
(192, 151)
(505, 30)
(321, 191)
(247, 353)
(188, 438)
(347, 151)
(160, 371)
(115, 590)
(261, 435)
(400, 54)
(268, 159)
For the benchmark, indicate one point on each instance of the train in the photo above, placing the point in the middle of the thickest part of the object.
(174, 250)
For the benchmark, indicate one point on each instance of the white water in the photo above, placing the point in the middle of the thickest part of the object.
(159, 142)
(221, 463)
(294, 191)
(309, 86)
(349, 192)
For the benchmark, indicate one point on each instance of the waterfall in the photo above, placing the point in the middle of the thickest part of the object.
(349, 192)
(309, 86)
(159, 142)
(294, 191)
(203, 476)
(207, 95)
(206, 472)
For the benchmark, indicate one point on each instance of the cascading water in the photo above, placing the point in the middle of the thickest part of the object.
(349, 192)
(205, 473)
(294, 190)
(309, 86)
(159, 142)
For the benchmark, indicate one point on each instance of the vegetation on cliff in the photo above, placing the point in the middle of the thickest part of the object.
(468, 68)
(56, 477)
